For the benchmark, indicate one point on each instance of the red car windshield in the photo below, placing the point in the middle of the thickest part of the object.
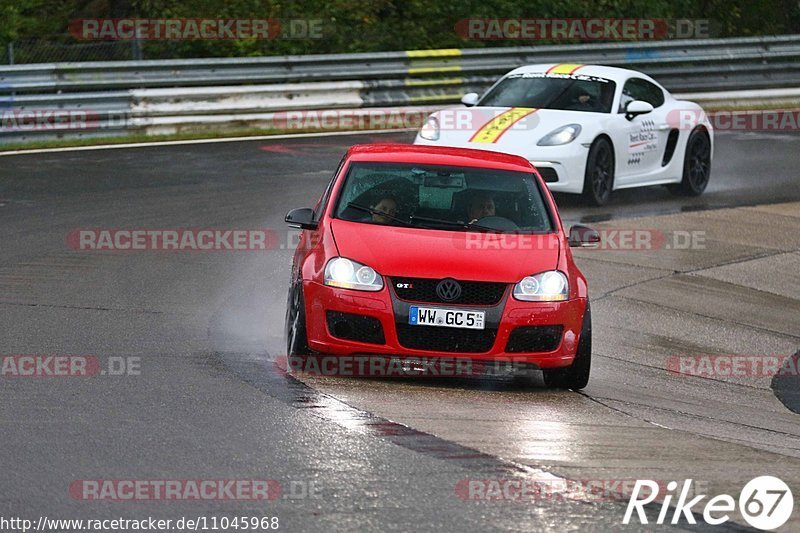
(443, 197)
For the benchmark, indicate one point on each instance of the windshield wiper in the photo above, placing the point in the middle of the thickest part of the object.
(452, 223)
(379, 213)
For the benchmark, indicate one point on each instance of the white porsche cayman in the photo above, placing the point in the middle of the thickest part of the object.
(588, 129)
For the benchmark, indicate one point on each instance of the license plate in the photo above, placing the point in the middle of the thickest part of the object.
(448, 318)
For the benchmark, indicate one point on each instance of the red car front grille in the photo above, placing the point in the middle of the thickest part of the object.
(424, 290)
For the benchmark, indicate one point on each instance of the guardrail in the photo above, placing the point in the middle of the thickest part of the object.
(153, 96)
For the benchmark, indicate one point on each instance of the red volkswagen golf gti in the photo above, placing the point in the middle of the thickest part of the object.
(418, 251)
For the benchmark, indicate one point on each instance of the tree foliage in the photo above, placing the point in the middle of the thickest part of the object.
(379, 25)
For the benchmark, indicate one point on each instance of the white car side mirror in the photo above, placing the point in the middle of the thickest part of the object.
(636, 108)
(470, 99)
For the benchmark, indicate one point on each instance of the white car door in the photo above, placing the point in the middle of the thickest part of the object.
(640, 142)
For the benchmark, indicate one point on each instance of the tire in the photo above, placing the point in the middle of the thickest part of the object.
(575, 376)
(696, 165)
(598, 180)
(296, 338)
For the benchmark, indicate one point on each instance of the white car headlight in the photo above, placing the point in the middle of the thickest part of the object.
(550, 286)
(349, 274)
(430, 130)
(563, 135)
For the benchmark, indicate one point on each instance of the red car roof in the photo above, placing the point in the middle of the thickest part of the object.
(437, 155)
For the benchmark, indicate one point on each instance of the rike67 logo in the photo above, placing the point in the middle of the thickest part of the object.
(765, 503)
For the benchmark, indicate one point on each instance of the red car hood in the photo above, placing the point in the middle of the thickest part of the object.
(427, 253)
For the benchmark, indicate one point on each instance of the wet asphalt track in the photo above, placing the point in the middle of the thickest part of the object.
(211, 404)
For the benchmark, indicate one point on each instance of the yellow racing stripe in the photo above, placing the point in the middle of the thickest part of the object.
(494, 129)
(564, 68)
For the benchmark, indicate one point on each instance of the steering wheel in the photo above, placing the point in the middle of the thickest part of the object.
(498, 223)
(577, 105)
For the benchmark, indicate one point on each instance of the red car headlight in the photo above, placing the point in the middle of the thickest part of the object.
(550, 286)
(348, 274)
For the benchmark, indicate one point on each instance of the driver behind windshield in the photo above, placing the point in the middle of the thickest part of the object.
(481, 205)
(581, 100)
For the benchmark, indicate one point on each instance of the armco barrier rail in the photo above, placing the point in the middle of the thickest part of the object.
(151, 97)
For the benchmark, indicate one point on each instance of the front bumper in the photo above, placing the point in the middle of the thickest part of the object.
(392, 313)
(567, 161)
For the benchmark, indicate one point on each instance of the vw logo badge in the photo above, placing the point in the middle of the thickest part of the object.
(448, 290)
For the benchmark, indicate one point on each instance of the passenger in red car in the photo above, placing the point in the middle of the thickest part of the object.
(385, 210)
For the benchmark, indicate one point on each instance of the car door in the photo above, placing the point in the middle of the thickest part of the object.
(640, 142)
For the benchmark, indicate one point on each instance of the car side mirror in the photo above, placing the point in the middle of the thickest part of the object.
(636, 108)
(470, 99)
(302, 217)
(583, 237)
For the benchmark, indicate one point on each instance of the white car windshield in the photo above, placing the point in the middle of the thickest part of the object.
(543, 91)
